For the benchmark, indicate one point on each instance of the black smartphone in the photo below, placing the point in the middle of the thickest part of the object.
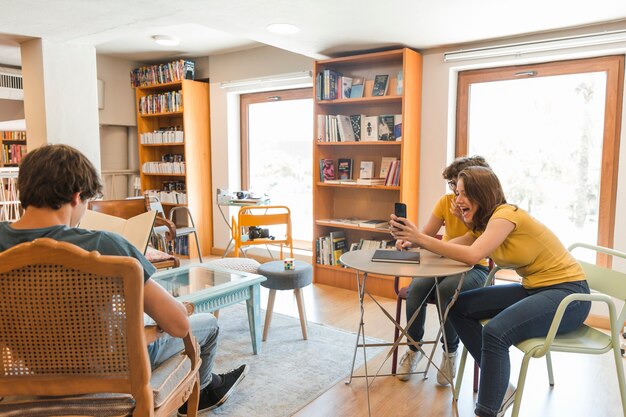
(400, 210)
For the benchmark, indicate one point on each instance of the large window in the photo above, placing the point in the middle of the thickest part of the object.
(276, 132)
(551, 134)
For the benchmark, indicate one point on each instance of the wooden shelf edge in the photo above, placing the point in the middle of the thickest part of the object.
(156, 145)
(163, 175)
(361, 100)
(169, 113)
(347, 226)
(364, 143)
(377, 187)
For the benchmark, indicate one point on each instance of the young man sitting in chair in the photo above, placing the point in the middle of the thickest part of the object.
(55, 184)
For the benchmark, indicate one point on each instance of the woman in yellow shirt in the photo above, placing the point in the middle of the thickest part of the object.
(513, 239)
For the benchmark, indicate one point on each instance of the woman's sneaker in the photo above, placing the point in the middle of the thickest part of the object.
(509, 398)
(447, 368)
(408, 363)
(211, 398)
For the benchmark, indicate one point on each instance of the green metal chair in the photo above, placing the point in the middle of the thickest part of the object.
(606, 284)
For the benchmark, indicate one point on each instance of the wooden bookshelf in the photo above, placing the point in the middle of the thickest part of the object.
(12, 148)
(196, 150)
(342, 201)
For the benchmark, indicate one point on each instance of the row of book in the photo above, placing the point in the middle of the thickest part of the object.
(13, 135)
(359, 128)
(170, 101)
(12, 154)
(167, 135)
(333, 85)
(163, 167)
(328, 249)
(170, 197)
(162, 73)
(390, 171)
(389, 174)
(181, 245)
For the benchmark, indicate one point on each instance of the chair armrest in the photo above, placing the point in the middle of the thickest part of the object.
(558, 316)
(171, 227)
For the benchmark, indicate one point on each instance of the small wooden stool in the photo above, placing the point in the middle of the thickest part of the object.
(280, 279)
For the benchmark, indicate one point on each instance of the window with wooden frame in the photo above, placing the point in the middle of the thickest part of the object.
(276, 153)
(551, 133)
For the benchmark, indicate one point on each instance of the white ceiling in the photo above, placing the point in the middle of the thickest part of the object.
(123, 28)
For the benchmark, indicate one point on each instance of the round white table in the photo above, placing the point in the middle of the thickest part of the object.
(431, 266)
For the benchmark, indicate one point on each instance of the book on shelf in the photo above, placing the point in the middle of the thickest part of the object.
(356, 91)
(369, 128)
(328, 169)
(338, 246)
(375, 224)
(366, 170)
(381, 83)
(370, 181)
(400, 83)
(344, 168)
(355, 120)
(397, 127)
(385, 127)
(346, 87)
(136, 230)
(344, 125)
(385, 166)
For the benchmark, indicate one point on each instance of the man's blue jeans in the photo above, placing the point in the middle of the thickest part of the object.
(516, 314)
(204, 328)
(420, 288)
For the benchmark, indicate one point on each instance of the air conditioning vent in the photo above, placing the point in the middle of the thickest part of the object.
(11, 87)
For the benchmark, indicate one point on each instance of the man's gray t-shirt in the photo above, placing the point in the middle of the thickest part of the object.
(106, 243)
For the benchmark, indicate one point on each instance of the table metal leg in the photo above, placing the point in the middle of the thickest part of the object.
(253, 305)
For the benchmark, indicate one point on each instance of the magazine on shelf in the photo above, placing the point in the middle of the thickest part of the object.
(381, 83)
(393, 255)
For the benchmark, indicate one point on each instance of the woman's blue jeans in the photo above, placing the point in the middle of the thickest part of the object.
(422, 288)
(516, 314)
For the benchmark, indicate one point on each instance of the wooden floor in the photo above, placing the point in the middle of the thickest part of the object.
(585, 385)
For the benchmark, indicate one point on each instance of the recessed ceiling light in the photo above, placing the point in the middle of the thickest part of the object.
(283, 28)
(166, 40)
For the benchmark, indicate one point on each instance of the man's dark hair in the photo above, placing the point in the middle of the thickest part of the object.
(460, 163)
(50, 175)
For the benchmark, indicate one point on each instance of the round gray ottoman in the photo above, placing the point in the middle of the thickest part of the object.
(280, 279)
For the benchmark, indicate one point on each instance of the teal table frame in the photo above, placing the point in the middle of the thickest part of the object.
(247, 288)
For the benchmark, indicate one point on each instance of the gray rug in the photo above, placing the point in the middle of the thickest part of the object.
(289, 372)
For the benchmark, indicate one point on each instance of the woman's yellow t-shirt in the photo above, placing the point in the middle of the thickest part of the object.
(535, 253)
(454, 227)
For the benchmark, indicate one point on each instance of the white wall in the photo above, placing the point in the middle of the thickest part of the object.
(119, 96)
(259, 62)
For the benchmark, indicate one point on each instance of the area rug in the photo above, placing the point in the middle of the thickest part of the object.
(289, 372)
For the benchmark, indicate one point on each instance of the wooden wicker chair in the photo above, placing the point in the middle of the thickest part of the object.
(72, 338)
(132, 207)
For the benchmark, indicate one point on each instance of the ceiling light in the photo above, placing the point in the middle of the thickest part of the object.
(166, 40)
(519, 49)
(283, 28)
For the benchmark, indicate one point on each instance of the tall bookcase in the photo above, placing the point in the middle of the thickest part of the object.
(13, 148)
(344, 201)
(191, 116)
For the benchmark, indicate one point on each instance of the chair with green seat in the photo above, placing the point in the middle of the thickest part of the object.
(605, 284)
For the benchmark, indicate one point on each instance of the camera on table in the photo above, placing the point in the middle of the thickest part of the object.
(256, 232)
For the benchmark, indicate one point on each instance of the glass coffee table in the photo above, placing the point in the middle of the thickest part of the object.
(211, 288)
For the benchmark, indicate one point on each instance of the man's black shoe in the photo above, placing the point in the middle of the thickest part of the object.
(211, 398)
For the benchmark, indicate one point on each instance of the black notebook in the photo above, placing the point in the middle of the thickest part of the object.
(406, 257)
